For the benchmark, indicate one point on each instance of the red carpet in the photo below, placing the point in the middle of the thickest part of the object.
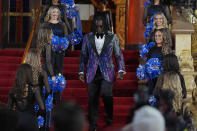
(76, 90)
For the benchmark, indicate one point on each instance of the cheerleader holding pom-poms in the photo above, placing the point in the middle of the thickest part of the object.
(152, 54)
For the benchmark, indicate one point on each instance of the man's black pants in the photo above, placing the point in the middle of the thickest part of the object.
(94, 88)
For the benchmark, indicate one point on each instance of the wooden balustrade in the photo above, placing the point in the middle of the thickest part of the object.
(31, 34)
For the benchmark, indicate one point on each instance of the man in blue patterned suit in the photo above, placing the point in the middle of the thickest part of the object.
(97, 50)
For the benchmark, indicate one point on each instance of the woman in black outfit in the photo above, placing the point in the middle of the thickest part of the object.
(23, 96)
(154, 7)
(160, 49)
(59, 29)
(57, 57)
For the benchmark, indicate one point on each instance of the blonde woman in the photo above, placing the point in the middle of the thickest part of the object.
(160, 22)
(52, 21)
(62, 9)
(59, 29)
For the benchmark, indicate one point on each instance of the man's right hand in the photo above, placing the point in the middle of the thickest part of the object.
(81, 77)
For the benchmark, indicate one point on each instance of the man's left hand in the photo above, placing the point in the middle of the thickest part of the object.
(121, 75)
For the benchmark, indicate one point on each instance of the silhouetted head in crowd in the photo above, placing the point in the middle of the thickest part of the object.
(148, 118)
(141, 98)
(170, 63)
(8, 119)
(23, 78)
(68, 116)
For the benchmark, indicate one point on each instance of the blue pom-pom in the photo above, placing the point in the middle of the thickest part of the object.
(49, 103)
(63, 43)
(144, 50)
(52, 84)
(152, 20)
(141, 74)
(71, 12)
(40, 120)
(36, 108)
(151, 44)
(68, 2)
(59, 84)
(152, 100)
(75, 37)
(59, 43)
(55, 43)
(146, 3)
(149, 28)
(153, 68)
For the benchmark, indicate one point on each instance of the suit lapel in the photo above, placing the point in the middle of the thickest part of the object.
(108, 39)
(92, 42)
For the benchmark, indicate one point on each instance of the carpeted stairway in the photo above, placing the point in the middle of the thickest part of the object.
(76, 90)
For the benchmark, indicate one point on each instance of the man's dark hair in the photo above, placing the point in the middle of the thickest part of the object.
(97, 17)
(68, 116)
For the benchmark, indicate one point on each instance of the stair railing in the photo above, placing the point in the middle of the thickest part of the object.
(31, 35)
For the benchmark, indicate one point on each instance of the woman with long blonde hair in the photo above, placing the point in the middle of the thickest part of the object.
(40, 76)
(63, 16)
(172, 81)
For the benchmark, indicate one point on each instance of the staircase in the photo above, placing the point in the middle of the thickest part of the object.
(76, 90)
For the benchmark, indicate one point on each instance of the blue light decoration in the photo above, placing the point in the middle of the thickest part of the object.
(59, 43)
(141, 73)
(40, 121)
(71, 9)
(76, 37)
(153, 68)
(63, 43)
(36, 108)
(146, 3)
(68, 2)
(152, 100)
(59, 84)
(49, 103)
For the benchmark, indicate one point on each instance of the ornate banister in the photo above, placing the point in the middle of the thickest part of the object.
(31, 34)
